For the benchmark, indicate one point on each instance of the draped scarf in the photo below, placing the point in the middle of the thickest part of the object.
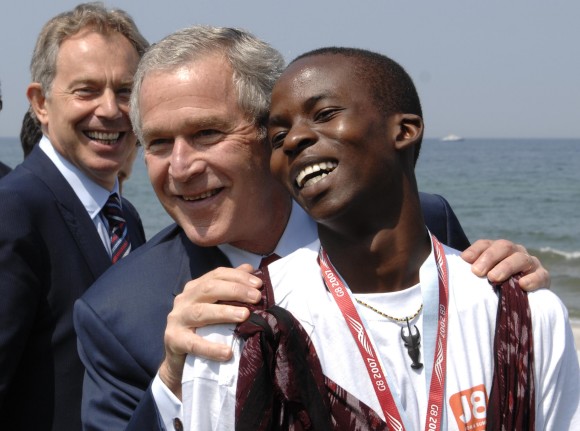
(512, 398)
(281, 385)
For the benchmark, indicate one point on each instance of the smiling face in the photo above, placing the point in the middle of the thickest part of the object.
(332, 148)
(205, 160)
(86, 112)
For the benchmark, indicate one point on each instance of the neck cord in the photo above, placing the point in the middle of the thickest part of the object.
(390, 404)
(396, 319)
(411, 340)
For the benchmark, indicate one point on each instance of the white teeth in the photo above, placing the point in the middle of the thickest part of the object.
(201, 196)
(327, 167)
(314, 180)
(104, 136)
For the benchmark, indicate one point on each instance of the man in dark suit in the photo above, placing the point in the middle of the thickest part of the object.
(4, 169)
(198, 104)
(56, 236)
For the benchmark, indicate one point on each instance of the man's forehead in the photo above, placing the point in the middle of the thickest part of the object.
(317, 76)
(205, 74)
(112, 36)
(322, 67)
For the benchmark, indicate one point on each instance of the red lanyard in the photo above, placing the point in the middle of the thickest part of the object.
(341, 295)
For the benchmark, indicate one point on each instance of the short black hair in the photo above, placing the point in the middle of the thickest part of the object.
(390, 85)
(30, 132)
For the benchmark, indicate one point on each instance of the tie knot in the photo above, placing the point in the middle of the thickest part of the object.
(114, 200)
(112, 211)
(120, 245)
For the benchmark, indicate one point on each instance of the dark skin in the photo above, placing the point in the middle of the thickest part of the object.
(390, 261)
(322, 113)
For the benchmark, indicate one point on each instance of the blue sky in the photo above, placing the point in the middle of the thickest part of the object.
(483, 69)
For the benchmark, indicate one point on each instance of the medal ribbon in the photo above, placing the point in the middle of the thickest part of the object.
(341, 295)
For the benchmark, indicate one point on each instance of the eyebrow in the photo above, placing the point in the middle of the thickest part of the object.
(209, 122)
(307, 105)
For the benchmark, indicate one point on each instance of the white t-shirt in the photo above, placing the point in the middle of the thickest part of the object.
(209, 387)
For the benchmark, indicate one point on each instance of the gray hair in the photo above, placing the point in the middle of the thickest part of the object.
(66, 24)
(256, 66)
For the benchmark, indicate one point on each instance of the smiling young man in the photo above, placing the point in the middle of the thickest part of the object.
(55, 236)
(376, 324)
(199, 105)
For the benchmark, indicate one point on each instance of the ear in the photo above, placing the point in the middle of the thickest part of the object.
(37, 101)
(410, 130)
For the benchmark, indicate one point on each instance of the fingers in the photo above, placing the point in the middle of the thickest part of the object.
(537, 277)
(196, 307)
(224, 284)
(196, 315)
(500, 259)
(475, 250)
(485, 255)
(178, 343)
(513, 264)
(181, 341)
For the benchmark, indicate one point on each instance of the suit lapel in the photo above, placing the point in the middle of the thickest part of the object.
(72, 210)
(196, 261)
(136, 233)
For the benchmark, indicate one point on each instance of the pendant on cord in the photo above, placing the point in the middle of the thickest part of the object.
(412, 343)
(412, 340)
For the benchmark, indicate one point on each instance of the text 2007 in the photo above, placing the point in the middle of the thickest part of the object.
(334, 283)
(380, 384)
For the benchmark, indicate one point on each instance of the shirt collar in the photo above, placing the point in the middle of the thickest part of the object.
(92, 196)
(300, 231)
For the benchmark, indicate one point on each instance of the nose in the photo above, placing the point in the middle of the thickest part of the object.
(185, 161)
(299, 137)
(109, 105)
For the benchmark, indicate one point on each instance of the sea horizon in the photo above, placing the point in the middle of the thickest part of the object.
(524, 190)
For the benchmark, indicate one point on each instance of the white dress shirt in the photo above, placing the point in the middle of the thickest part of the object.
(300, 231)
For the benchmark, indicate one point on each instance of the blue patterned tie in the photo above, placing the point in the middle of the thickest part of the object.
(120, 245)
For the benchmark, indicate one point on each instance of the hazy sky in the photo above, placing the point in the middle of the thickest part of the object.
(492, 68)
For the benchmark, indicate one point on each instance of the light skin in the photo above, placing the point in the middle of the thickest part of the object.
(205, 161)
(86, 112)
(188, 115)
(210, 171)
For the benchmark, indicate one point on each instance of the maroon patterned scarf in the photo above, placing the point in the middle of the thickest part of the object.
(512, 398)
(281, 385)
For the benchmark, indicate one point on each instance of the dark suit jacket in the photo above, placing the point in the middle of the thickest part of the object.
(4, 169)
(121, 320)
(50, 253)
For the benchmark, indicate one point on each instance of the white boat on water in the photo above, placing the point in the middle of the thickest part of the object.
(452, 138)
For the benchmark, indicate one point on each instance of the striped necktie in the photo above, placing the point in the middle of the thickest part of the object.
(120, 245)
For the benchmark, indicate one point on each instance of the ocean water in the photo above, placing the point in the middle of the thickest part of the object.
(525, 190)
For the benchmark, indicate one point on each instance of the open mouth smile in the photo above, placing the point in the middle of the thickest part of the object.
(107, 138)
(203, 195)
(313, 173)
